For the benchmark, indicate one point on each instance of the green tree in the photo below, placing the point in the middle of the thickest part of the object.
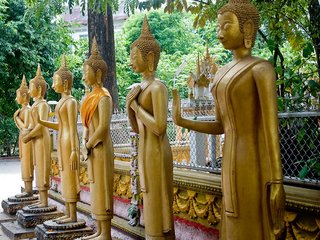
(179, 42)
(286, 26)
(100, 25)
(25, 41)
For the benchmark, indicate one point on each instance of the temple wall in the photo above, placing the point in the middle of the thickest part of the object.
(197, 203)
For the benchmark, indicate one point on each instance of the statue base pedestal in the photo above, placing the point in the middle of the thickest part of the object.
(51, 230)
(5, 217)
(31, 217)
(13, 204)
(15, 231)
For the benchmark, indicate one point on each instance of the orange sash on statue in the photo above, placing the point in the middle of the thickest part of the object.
(90, 104)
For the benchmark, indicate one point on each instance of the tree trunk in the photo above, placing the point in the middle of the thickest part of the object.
(101, 26)
(314, 12)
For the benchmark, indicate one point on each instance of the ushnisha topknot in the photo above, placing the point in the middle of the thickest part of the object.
(38, 80)
(96, 61)
(23, 89)
(244, 10)
(65, 73)
(147, 43)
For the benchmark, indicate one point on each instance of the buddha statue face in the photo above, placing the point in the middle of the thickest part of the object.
(33, 90)
(38, 86)
(229, 33)
(238, 21)
(63, 78)
(95, 68)
(137, 62)
(145, 51)
(19, 97)
(90, 76)
(57, 84)
(22, 93)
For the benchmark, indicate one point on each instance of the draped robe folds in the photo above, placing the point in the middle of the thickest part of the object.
(70, 185)
(246, 167)
(155, 169)
(25, 149)
(41, 148)
(101, 157)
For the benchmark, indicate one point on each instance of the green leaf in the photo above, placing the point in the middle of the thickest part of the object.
(297, 62)
(279, 70)
(308, 50)
(304, 172)
(271, 45)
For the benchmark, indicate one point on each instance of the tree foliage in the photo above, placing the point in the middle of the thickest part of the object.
(179, 42)
(291, 32)
(26, 41)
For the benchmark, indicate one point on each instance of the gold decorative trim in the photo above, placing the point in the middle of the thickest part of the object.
(197, 197)
(301, 226)
(198, 181)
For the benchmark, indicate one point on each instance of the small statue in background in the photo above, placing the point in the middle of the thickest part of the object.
(40, 138)
(147, 106)
(246, 112)
(96, 113)
(22, 118)
(68, 141)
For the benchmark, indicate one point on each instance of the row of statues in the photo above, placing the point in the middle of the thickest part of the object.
(246, 112)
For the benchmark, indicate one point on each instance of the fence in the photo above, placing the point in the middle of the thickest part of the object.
(299, 144)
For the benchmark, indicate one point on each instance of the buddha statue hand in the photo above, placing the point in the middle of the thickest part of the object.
(176, 107)
(85, 152)
(24, 132)
(277, 203)
(16, 113)
(26, 137)
(73, 160)
(132, 95)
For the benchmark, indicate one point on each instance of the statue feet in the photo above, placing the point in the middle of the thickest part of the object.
(91, 236)
(23, 195)
(60, 218)
(101, 237)
(38, 205)
(33, 205)
(66, 220)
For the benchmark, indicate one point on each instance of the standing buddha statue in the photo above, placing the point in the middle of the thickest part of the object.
(22, 118)
(96, 113)
(68, 141)
(147, 106)
(40, 138)
(246, 112)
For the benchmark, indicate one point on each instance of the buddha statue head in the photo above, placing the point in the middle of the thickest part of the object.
(22, 93)
(95, 68)
(63, 78)
(38, 85)
(242, 13)
(145, 51)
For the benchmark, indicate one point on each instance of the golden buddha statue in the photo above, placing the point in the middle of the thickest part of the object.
(147, 106)
(40, 138)
(96, 113)
(22, 118)
(246, 112)
(68, 141)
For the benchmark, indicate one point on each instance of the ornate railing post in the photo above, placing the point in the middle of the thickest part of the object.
(133, 210)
